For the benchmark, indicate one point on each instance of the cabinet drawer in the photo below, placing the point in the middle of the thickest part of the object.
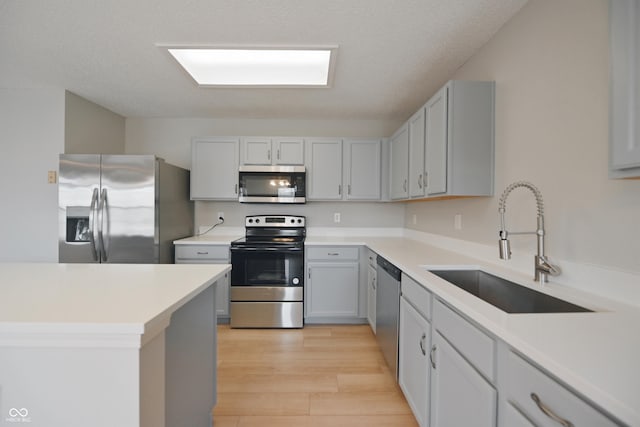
(202, 252)
(476, 346)
(524, 380)
(417, 296)
(332, 253)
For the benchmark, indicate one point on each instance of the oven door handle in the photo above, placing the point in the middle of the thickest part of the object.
(247, 249)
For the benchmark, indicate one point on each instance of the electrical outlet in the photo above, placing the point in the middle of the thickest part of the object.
(220, 216)
(336, 217)
(457, 222)
(52, 177)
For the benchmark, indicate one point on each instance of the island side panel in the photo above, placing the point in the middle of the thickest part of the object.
(190, 364)
(69, 386)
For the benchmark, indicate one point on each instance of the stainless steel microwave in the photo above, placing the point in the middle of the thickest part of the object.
(272, 184)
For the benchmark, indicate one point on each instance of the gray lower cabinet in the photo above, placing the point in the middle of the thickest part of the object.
(209, 254)
(332, 285)
(462, 362)
(372, 291)
(414, 344)
(544, 401)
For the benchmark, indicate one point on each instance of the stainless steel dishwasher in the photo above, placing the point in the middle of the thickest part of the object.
(387, 311)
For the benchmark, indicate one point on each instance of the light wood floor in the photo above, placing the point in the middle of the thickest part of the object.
(312, 377)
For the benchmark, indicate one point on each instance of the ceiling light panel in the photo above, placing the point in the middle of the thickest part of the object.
(257, 67)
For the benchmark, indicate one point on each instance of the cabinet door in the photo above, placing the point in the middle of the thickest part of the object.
(436, 143)
(624, 158)
(256, 151)
(332, 289)
(214, 168)
(399, 163)
(324, 173)
(459, 395)
(413, 360)
(289, 151)
(416, 154)
(371, 296)
(362, 169)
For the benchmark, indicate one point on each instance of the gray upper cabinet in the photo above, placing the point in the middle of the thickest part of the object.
(324, 169)
(399, 162)
(214, 168)
(460, 140)
(624, 105)
(416, 154)
(362, 169)
(436, 143)
(272, 151)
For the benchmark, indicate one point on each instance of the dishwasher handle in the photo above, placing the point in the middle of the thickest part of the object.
(391, 269)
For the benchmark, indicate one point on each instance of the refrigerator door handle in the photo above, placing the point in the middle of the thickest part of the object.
(92, 224)
(102, 211)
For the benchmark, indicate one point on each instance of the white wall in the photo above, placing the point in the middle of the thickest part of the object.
(550, 64)
(90, 128)
(170, 138)
(32, 137)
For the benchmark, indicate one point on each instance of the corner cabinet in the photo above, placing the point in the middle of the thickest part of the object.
(214, 168)
(209, 254)
(398, 163)
(624, 110)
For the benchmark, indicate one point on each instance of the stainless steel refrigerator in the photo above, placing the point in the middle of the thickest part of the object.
(121, 208)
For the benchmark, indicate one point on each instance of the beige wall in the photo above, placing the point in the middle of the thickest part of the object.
(550, 64)
(91, 129)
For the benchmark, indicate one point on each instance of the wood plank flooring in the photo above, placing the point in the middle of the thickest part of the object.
(313, 377)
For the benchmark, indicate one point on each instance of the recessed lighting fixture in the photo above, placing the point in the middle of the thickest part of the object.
(257, 67)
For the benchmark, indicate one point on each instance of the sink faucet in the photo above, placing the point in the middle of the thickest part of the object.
(542, 266)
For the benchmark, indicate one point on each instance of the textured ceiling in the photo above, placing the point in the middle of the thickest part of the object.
(392, 53)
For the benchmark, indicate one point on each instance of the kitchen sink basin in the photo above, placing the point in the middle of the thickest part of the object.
(506, 295)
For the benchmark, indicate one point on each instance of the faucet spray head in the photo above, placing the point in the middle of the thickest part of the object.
(505, 249)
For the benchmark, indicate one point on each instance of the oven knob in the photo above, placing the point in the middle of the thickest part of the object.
(257, 220)
(299, 220)
(250, 220)
(296, 281)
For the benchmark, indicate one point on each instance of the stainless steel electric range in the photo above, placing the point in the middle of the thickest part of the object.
(267, 276)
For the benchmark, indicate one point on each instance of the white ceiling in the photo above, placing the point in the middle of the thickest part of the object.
(392, 54)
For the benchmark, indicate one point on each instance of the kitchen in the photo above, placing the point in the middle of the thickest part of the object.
(550, 64)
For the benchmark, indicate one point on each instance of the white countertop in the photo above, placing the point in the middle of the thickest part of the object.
(597, 354)
(96, 298)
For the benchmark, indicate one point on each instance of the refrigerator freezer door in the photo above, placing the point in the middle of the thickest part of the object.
(78, 189)
(128, 216)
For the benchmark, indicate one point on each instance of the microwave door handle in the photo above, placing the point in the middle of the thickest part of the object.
(93, 236)
(103, 211)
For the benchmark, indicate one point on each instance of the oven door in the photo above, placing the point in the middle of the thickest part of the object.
(267, 267)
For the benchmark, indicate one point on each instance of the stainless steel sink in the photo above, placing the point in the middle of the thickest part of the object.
(504, 294)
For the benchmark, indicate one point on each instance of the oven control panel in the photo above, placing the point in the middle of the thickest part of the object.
(275, 221)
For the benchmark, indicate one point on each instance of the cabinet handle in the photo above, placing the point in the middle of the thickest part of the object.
(268, 154)
(278, 153)
(333, 253)
(431, 354)
(549, 413)
(309, 273)
(235, 189)
(404, 185)
(349, 189)
(421, 342)
(339, 190)
(420, 181)
(202, 253)
(426, 179)
(374, 283)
